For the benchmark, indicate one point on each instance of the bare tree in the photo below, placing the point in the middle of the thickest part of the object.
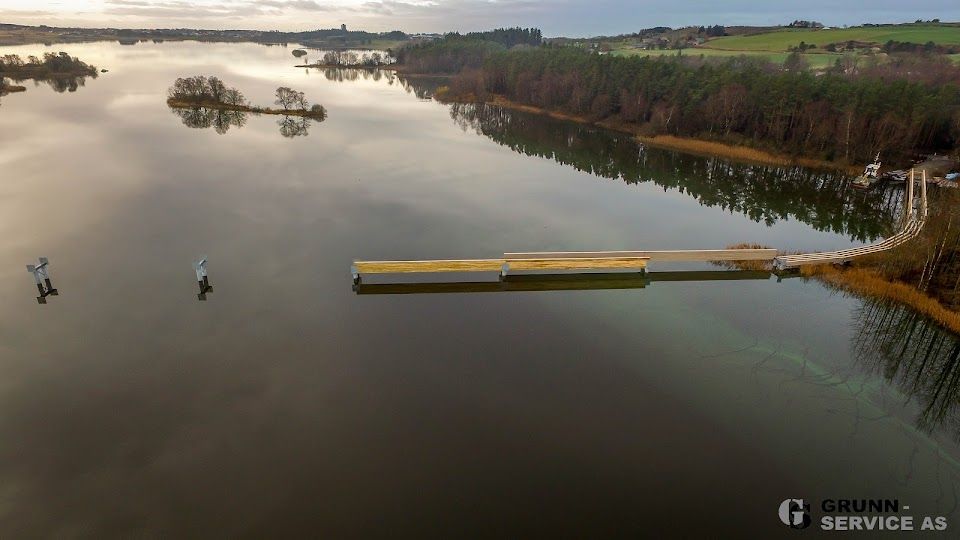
(216, 89)
(234, 97)
(288, 97)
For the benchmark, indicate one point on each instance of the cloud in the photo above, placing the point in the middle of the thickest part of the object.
(555, 17)
(302, 5)
(179, 9)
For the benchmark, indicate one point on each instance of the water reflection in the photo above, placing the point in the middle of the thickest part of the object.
(765, 194)
(222, 120)
(67, 84)
(558, 282)
(202, 118)
(917, 355)
(294, 126)
(342, 74)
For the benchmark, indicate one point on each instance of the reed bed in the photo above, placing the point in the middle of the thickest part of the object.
(871, 283)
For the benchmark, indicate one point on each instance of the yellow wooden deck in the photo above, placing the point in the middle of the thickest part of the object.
(499, 265)
(579, 263)
(449, 265)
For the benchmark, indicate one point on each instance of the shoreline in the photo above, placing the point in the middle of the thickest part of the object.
(188, 104)
(864, 281)
(691, 145)
(395, 68)
(867, 282)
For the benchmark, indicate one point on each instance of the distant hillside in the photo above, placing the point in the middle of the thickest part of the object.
(784, 39)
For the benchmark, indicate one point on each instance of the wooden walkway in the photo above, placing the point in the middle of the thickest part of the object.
(559, 261)
(580, 261)
(913, 222)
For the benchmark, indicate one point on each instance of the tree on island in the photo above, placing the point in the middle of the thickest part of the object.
(299, 52)
(200, 89)
(319, 112)
(288, 98)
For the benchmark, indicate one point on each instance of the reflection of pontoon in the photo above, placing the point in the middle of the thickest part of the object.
(869, 175)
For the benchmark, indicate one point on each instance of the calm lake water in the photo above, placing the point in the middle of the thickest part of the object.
(288, 404)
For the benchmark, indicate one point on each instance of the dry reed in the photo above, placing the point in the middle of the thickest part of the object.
(869, 282)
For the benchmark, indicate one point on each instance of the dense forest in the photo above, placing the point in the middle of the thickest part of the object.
(849, 113)
(455, 52)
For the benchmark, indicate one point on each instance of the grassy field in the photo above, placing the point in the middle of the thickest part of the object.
(817, 61)
(782, 40)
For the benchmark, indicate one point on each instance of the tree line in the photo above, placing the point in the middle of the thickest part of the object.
(49, 65)
(455, 51)
(847, 114)
(62, 71)
(200, 89)
(353, 59)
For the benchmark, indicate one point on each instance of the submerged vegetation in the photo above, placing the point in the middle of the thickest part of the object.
(205, 102)
(61, 71)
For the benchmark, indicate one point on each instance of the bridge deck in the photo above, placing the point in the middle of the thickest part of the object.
(914, 219)
(637, 260)
(690, 255)
(613, 262)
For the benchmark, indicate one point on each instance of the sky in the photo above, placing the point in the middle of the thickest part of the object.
(555, 17)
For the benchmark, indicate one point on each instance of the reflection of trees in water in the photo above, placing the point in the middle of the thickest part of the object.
(221, 120)
(914, 353)
(768, 194)
(294, 126)
(66, 84)
(202, 118)
(423, 87)
(354, 74)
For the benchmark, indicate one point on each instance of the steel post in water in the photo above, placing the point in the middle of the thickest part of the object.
(42, 279)
(203, 283)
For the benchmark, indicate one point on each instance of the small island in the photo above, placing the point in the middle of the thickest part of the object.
(350, 59)
(211, 93)
(62, 71)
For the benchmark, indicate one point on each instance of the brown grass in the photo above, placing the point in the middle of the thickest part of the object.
(869, 282)
(761, 266)
(740, 153)
(670, 142)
